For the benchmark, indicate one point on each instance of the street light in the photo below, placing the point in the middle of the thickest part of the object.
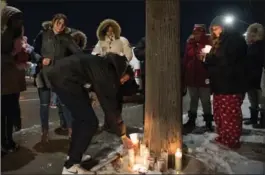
(229, 19)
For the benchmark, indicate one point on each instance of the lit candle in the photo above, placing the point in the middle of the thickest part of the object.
(134, 138)
(146, 156)
(142, 149)
(178, 160)
(131, 157)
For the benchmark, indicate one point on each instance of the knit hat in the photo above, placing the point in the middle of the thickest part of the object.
(218, 21)
(199, 28)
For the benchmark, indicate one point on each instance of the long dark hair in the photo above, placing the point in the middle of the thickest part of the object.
(59, 16)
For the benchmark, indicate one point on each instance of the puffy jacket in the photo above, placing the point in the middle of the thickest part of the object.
(53, 46)
(228, 67)
(195, 73)
(12, 78)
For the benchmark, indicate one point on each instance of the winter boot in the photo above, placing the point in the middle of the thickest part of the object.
(253, 117)
(261, 124)
(208, 118)
(45, 136)
(191, 123)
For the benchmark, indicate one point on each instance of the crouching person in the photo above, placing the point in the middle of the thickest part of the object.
(104, 74)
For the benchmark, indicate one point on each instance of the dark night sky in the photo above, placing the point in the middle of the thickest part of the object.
(86, 15)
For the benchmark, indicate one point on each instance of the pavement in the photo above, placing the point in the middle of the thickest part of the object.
(35, 158)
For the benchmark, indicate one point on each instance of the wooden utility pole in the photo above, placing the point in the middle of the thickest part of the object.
(163, 102)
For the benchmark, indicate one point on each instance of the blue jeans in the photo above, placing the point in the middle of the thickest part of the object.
(54, 100)
(45, 96)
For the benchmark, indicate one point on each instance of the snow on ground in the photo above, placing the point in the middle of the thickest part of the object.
(250, 159)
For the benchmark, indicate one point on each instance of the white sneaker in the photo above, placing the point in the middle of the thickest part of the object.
(85, 157)
(76, 169)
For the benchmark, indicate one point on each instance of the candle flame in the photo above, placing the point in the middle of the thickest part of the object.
(178, 153)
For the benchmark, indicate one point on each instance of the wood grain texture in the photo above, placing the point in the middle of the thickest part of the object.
(163, 104)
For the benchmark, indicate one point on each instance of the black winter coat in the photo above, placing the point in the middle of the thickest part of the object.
(255, 57)
(71, 73)
(55, 47)
(228, 66)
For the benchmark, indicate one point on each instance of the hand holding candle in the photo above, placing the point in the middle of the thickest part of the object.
(206, 49)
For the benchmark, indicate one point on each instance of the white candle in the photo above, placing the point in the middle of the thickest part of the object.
(145, 157)
(142, 149)
(134, 138)
(131, 157)
(164, 155)
(178, 160)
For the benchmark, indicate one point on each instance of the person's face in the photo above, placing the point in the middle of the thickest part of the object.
(197, 35)
(217, 30)
(110, 31)
(59, 26)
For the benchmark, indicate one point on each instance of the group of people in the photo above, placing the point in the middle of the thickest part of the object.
(63, 68)
(232, 68)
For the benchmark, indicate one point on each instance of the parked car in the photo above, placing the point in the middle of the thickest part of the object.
(136, 66)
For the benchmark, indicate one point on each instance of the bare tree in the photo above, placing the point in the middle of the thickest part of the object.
(163, 104)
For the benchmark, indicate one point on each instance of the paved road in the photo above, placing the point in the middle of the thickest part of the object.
(34, 158)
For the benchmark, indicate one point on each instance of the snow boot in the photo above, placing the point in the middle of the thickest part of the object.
(191, 123)
(208, 118)
(253, 117)
(261, 124)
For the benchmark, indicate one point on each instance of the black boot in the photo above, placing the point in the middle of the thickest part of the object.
(253, 117)
(261, 124)
(191, 123)
(208, 118)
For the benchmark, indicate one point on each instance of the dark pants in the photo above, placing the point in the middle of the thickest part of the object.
(45, 96)
(84, 126)
(255, 99)
(10, 113)
(203, 94)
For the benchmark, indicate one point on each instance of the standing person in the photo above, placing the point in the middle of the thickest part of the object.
(256, 54)
(53, 43)
(226, 64)
(108, 34)
(110, 41)
(13, 59)
(53, 103)
(197, 78)
(105, 75)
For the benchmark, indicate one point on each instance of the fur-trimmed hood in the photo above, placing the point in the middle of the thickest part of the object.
(80, 37)
(76, 34)
(255, 32)
(108, 22)
(47, 25)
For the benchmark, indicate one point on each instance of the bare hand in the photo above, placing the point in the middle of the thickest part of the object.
(124, 78)
(46, 61)
(127, 143)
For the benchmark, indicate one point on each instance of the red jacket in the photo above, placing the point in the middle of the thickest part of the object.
(195, 73)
